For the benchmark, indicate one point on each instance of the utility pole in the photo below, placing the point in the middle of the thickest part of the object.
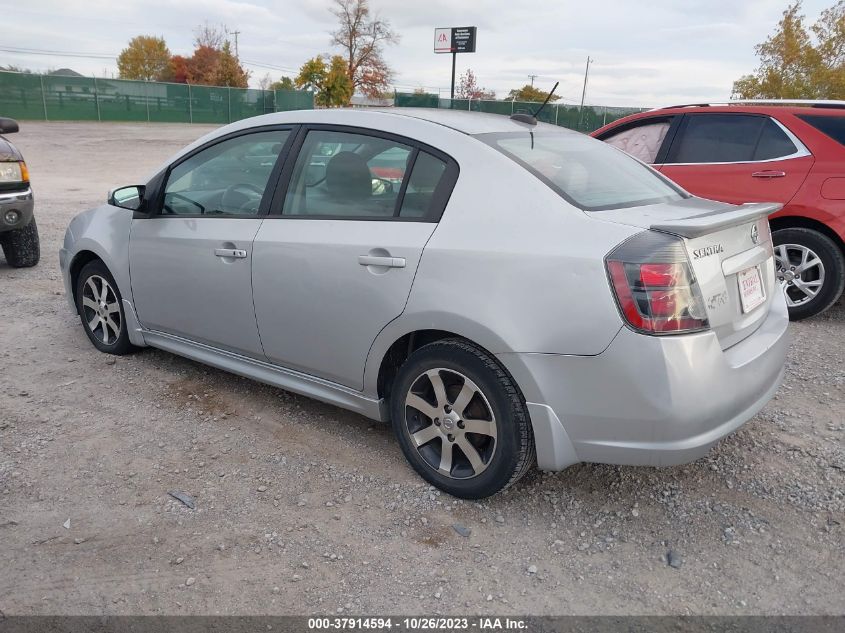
(235, 33)
(532, 78)
(584, 91)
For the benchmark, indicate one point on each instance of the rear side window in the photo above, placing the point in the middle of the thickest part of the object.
(729, 138)
(343, 175)
(585, 172)
(426, 178)
(641, 141)
(774, 143)
(832, 126)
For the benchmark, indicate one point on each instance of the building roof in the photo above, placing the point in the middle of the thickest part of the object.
(66, 72)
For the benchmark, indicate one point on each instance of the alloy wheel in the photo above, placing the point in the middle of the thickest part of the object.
(100, 310)
(800, 272)
(451, 423)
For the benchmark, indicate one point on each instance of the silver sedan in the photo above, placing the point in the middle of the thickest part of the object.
(505, 293)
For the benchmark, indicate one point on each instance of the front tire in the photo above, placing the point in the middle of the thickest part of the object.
(461, 420)
(100, 307)
(22, 247)
(810, 268)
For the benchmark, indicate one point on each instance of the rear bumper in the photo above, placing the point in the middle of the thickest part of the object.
(650, 400)
(21, 202)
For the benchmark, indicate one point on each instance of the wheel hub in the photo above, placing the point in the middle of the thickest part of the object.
(451, 423)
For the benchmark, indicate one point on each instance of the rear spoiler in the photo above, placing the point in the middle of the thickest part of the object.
(713, 221)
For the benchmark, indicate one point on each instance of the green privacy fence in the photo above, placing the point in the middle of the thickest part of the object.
(573, 117)
(64, 98)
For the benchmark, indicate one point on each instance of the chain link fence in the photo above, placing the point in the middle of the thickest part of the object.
(69, 98)
(590, 118)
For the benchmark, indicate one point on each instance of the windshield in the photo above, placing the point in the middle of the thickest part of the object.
(587, 173)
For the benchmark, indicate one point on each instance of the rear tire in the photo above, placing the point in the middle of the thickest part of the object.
(818, 266)
(460, 420)
(21, 246)
(100, 308)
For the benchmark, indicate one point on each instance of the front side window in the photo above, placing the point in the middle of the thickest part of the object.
(641, 141)
(228, 178)
(346, 175)
(586, 172)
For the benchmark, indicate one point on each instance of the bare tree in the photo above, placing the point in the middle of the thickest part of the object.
(265, 82)
(210, 35)
(362, 36)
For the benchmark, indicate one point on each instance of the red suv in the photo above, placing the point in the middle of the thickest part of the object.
(753, 151)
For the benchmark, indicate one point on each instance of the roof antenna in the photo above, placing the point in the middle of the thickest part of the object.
(531, 119)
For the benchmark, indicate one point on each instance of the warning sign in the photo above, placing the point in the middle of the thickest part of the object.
(460, 39)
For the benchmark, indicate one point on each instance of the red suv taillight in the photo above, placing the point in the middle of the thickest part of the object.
(654, 285)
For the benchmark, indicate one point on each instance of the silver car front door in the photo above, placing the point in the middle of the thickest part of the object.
(337, 264)
(190, 261)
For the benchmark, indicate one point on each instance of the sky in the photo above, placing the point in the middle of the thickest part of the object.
(646, 53)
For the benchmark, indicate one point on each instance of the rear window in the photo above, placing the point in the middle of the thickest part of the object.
(832, 126)
(585, 172)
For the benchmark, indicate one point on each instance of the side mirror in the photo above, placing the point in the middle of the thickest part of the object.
(8, 126)
(127, 197)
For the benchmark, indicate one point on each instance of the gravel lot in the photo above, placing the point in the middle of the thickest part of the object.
(305, 508)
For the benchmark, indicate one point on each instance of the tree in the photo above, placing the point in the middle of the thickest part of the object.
(209, 35)
(265, 82)
(830, 35)
(284, 83)
(338, 87)
(178, 71)
(146, 57)
(468, 88)
(228, 71)
(362, 37)
(793, 66)
(330, 84)
(202, 66)
(530, 93)
(312, 74)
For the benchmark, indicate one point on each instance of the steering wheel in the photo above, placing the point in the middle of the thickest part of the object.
(240, 195)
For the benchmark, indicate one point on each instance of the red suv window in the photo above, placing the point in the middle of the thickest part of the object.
(832, 126)
(729, 138)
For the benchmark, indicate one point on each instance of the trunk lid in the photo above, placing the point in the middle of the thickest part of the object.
(730, 251)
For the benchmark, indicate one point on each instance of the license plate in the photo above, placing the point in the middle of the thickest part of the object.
(751, 291)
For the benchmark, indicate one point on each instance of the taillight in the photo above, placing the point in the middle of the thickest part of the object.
(654, 285)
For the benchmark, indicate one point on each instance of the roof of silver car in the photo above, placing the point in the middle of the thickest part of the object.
(466, 121)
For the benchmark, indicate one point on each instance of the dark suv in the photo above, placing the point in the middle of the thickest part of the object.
(18, 232)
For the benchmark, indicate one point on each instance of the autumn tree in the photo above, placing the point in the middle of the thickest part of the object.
(228, 71)
(202, 66)
(331, 84)
(530, 93)
(796, 65)
(146, 57)
(468, 88)
(177, 71)
(362, 37)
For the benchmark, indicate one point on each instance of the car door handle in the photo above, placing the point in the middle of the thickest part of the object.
(768, 174)
(388, 262)
(234, 253)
